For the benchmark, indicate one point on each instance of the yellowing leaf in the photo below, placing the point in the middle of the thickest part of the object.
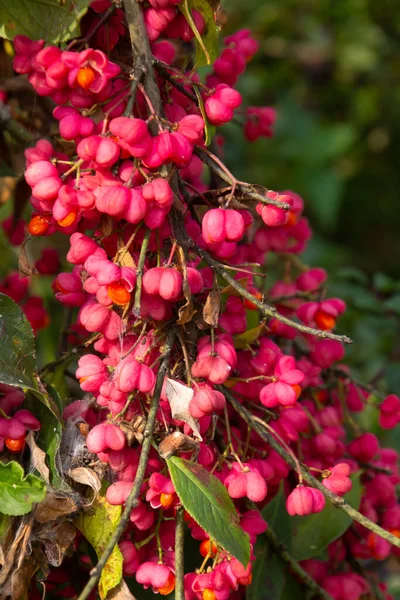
(248, 337)
(97, 525)
(207, 43)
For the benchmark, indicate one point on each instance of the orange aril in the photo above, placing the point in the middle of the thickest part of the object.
(208, 594)
(249, 305)
(118, 293)
(69, 219)
(168, 587)
(85, 77)
(208, 547)
(297, 389)
(16, 445)
(39, 224)
(167, 500)
(291, 218)
(325, 321)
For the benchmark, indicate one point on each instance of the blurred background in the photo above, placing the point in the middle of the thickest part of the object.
(332, 71)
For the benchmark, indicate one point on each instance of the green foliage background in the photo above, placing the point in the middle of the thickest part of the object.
(332, 70)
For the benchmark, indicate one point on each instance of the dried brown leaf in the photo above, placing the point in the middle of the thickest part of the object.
(24, 266)
(176, 442)
(212, 309)
(38, 457)
(53, 507)
(126, 260)
(58, 542)
(88, 477)
(179, 397)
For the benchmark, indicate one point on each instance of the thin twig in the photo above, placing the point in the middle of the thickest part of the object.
(133, 498)
(179, 553)
(281, 551)
(165, 74)
(265, 309)
(336, 500)
(245, 188)
(138, 72)
(139, 273)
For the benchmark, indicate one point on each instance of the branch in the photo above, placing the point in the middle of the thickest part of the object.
(165, 74)
(245, 188)
(133, 498)
(281, 551)
(139, 273)
(336, 500)
(179, 553)
(141, 47)
(265, 309)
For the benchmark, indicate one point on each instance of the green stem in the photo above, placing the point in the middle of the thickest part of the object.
(139, 272)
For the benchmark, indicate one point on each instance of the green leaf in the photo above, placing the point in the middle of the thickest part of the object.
(313, 533)
(17, 348)
(292, 589)
(209, 129)
(17, 491)
(97, 524)
(48, 438)
(206, 500)
(393, 304)
(277, 517)
(269, 574)
(207, 43)
(248, 337)
(17, 353)
(55, 21)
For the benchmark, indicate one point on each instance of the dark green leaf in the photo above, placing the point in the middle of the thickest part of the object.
(17, 348)
(269, 573)
(17, 491)
(393, 304)
(17, 353)
(53, 20)
(48, 437)
(278, 519)
(292, 589)
(313, 533)
(206, 500)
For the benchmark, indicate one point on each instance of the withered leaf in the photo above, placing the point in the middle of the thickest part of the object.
(126, 260)
(58, 543)
(212, 309)
(17, 585)
(38, 457)
(179, 397)
(185, 312)
(106, 225)
(54, 507)
(176, 442)
(24, 267)
(87, 477)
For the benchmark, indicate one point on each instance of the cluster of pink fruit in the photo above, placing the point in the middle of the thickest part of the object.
(132, 172)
